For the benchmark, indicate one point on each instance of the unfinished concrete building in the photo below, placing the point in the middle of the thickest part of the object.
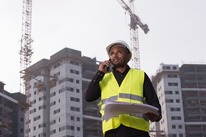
(11, 113)
(55, 90)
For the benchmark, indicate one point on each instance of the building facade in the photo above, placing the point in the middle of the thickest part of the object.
(182, 94)
(168, 86)
(12, 109)
(56, 89)
(193, 82)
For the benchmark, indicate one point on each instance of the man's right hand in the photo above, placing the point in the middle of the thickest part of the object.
(103, 66)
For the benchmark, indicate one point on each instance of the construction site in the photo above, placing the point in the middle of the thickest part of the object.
(51, 100)
(40, 80)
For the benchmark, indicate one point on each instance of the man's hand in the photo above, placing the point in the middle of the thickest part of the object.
(103, 65)
(153, 117)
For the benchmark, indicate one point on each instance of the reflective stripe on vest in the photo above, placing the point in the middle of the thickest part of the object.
(127, 96)
(122, 95)
(131, 91)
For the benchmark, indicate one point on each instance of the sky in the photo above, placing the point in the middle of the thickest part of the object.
(177, 32)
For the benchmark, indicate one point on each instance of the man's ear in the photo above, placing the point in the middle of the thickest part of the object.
(129, 57)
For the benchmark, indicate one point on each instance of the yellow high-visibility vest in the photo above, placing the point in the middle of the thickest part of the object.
(130, 91)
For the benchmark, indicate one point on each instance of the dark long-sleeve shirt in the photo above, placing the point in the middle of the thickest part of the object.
(93, 91)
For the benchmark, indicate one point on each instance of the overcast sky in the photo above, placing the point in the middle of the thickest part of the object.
(177, 31)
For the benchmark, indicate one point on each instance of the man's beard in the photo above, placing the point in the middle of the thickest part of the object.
(119, 65)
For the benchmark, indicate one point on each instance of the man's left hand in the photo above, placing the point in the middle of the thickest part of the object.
(153, 117)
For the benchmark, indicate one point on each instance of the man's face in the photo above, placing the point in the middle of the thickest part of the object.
(119, 56)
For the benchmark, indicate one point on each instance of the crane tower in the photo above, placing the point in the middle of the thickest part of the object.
(134, 39)
(26, 49)
(25, 54)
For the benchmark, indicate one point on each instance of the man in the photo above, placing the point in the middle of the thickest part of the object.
(123, 84)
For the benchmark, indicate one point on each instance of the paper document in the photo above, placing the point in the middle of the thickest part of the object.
(113, 109)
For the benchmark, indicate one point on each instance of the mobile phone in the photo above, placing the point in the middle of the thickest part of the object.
(109, 68)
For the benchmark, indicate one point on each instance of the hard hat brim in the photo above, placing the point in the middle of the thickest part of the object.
(120, 43)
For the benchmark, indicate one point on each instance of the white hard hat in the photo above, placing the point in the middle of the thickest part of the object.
(121, 43)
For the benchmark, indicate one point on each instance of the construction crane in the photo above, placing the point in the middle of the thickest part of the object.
(134, 23)
(25, 55)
